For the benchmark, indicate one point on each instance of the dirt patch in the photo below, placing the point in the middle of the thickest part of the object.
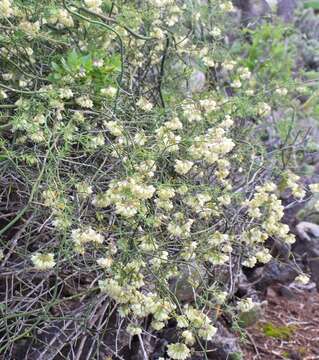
(289, 328)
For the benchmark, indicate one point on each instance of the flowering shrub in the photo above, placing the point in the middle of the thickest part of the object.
(133, 174)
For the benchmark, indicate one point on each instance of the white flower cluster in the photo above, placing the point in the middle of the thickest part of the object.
(196, 319)
(6, 9)
(201, 204)
(109, 91)
(83, 189)
(62, 18)
(282, 91)
(178, 351)
(218, 248)
(84, 101)
(263, 256)
(263, 109)
(161, 3)
(302, 279)
(65, 93)
(182, 167)
(196, 323)
(180, 227)
(245, 305)
(105, 262)
(51, 198)
(292, 183)
(315, 189)
(211, 146)
(146, 169)
(57, 203)
(33, 126)
(127, 195)
(133, 301)
(93, 5)
(43, 261)
(81, 237)
(30, 28)
(164, 198)
(114, 127)
(144, 104)
(134, 329)
(265, 205)
(167, 140)
(227, 6)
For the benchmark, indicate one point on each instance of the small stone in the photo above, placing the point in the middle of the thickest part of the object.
(286, 8)
(286, 292)
(223, 346)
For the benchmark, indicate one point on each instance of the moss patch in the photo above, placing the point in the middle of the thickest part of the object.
(279, 332)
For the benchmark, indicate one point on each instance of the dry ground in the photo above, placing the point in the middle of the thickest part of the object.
(290, 308)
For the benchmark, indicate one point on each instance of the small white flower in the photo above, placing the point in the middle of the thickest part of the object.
(246, 305)
(105, 262)
(236, 84)
(3, 95)
(216, 32)
(110, 91)
(263, 109)
(98, 63)
(157, 325)
(133, 329)
(263, 256)
(93, 5)
(227, 6)
(207, 331)
(83, 189)
(84, 101)
(250, 262)
(182, 167)
(314, 188)
(65, 93)
(302, 279)
(220, 297)
(144, 104)
(188, 337)
(281, 91)
(114, 127)
(6, 9)
(182, 322)
(43, 261)
(178, 351)
(7, 76)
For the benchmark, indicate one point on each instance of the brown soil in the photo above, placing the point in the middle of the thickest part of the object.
(293, 317)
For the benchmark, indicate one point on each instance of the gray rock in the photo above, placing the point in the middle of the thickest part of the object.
(181, 285)
(307, 230)
(286, 9)
(286, 292)
(224, 345)
(196, 82)
(253, 10)
(309, 243)
(244, 287)
(275, 272)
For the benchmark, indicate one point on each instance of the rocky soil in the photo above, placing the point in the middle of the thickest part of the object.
(289, 326)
